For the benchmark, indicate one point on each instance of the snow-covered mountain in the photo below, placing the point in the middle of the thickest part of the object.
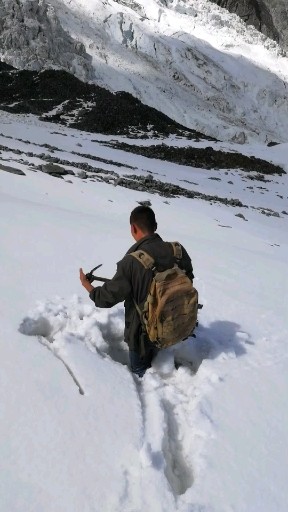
(192, 60)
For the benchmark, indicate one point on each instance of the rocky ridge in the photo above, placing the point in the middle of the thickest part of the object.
(204, 158)
(59, 97)
(268, 16)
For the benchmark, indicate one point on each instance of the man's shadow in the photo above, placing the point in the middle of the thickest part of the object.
(220, 337)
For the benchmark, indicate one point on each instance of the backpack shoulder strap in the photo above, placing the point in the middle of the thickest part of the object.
(148, 262)
(177, 250)
(145, 259)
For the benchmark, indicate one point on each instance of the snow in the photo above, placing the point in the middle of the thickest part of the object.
(31, 36)
(78, 431)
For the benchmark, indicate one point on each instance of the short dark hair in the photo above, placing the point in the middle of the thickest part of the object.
(144, 218)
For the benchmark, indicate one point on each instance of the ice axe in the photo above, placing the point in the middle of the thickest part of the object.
(90, 276)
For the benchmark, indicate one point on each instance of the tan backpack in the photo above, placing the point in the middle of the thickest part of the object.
(170, 311)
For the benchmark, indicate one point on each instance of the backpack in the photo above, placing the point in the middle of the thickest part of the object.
(170, 311)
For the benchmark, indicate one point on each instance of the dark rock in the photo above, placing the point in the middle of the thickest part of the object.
(258, 177)
(200, 157)
(267, 16)
(271, 144)
(55, 170)
(239, 138)
(5, 67)
(145, 203)
(240, 215)
(56, 175)
(85, 106)
(82, 174)
(267, 211)
(103, 160)
(12, 170)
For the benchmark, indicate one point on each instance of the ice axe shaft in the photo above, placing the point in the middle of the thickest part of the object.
(96, 278)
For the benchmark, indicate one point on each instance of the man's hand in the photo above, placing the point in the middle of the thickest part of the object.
(84, 281)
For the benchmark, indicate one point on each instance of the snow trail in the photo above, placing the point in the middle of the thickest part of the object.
(167, 398)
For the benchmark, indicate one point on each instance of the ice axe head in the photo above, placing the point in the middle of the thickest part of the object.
(89, 275)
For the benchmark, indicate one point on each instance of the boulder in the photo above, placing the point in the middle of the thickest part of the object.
(12, 170)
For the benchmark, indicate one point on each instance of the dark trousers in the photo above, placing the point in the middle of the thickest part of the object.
(140, 363)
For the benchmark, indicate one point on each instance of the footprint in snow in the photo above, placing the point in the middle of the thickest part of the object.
(59, 324)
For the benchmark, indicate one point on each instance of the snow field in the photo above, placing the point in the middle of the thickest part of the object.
(78, 431)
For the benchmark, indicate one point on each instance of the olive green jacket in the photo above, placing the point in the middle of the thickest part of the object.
(132, 281)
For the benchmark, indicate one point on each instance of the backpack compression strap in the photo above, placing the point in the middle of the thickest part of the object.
(177, 250)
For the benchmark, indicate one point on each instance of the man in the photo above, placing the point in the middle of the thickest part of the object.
(132, 281)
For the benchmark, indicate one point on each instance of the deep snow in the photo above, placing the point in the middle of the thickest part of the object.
(210, 436)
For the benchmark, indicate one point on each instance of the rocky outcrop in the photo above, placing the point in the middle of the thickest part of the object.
(32, 37)
(12, 170)
(268, 16)
(59, 97)
(203, 158)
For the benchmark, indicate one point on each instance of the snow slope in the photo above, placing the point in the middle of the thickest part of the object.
(192, 60)
(77, 431)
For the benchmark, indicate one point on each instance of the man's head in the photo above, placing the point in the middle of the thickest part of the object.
(142, 222)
